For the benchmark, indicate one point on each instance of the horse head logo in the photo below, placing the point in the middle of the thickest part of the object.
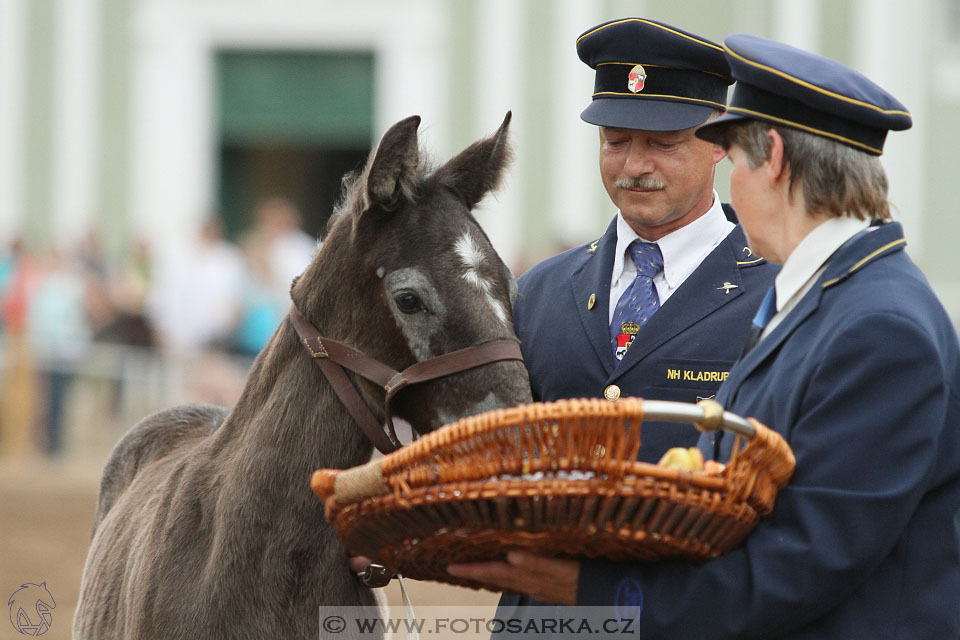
(30, 607)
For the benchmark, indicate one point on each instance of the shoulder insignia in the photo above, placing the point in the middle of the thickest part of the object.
(747, 254)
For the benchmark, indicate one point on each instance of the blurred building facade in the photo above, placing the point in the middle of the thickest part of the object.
(137, 118)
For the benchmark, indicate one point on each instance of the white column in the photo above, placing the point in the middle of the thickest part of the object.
(408, 40)
(797, 23)
(890, 48)
(171, 126)
(578, 207)
(12, 89)
(497, 82)
(75, 120)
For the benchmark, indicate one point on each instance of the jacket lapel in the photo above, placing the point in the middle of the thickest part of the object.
(593, 279)
(713, 284)
(807, 306)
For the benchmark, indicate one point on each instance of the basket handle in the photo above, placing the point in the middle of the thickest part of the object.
(350, 485)
(707, 415)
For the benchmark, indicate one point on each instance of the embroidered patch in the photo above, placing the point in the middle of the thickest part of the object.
(628, 331)
(692, 374)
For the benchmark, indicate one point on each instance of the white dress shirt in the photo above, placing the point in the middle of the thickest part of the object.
(683, 250)
(808, 261)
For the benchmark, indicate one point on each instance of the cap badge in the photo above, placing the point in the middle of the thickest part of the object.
(635, 79)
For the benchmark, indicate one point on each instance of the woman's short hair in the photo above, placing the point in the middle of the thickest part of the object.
(836, 178)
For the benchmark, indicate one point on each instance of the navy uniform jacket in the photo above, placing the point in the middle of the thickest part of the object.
(682, 353)
(863, 380)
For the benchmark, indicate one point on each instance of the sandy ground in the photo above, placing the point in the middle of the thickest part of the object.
(46, 518)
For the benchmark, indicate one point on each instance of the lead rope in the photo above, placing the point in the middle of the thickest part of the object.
(408, 612)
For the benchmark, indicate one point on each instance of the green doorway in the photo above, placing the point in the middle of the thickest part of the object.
(291, 123)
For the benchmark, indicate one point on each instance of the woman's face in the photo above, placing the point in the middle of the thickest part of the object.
(750, 194)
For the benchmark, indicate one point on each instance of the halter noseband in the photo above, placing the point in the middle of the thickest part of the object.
(332, 357)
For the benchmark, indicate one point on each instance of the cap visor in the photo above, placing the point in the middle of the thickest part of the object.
(710, 131)
(647, 115)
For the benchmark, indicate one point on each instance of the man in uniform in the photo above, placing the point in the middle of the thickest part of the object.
(589, 320)
(856, 365)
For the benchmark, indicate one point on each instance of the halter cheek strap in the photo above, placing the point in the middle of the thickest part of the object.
(333, 357)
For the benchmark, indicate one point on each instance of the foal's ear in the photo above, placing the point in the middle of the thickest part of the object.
(391, 170)
(479, 168)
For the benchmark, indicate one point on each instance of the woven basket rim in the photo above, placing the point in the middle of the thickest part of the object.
(525, 457)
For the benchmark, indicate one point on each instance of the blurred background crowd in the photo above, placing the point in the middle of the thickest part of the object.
(95, 345)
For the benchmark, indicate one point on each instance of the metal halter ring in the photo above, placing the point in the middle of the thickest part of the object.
(375, 576)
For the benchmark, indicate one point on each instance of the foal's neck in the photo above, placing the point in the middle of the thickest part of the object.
(288, 421)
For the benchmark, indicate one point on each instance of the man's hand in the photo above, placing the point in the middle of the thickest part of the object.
(359, 564)
(546, 579)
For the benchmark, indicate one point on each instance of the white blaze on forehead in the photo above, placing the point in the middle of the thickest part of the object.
(473, 256)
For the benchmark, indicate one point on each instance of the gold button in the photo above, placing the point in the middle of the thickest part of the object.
(611, 393)
(599, 451)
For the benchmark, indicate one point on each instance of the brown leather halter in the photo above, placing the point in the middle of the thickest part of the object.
(332, 357)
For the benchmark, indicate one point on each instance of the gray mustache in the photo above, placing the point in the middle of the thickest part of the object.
(640, 182)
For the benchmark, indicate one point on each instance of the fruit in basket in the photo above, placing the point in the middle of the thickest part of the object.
(690, 460)
(683, 459)
(713, 468)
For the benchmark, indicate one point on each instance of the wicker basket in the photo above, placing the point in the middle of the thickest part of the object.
(554, 478)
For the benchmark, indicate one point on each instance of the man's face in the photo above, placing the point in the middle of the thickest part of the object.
(660, 180)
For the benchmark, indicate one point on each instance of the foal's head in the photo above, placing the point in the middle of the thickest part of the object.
(406, 274)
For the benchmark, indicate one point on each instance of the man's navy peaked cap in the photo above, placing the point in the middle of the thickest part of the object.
(652, 76)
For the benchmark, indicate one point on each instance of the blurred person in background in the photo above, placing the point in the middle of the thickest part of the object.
(277, 250)
(194, 299)
(263, 303)
(59, 336)
(18, 388)
(288, 249)
(8, 261)
(122, 300)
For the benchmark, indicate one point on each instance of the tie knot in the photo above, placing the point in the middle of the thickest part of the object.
(647, 257)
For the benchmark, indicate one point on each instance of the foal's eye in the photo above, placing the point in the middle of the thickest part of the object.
(408, 303)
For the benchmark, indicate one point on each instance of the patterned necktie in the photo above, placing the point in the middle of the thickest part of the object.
(768, 308)
(639, 301)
